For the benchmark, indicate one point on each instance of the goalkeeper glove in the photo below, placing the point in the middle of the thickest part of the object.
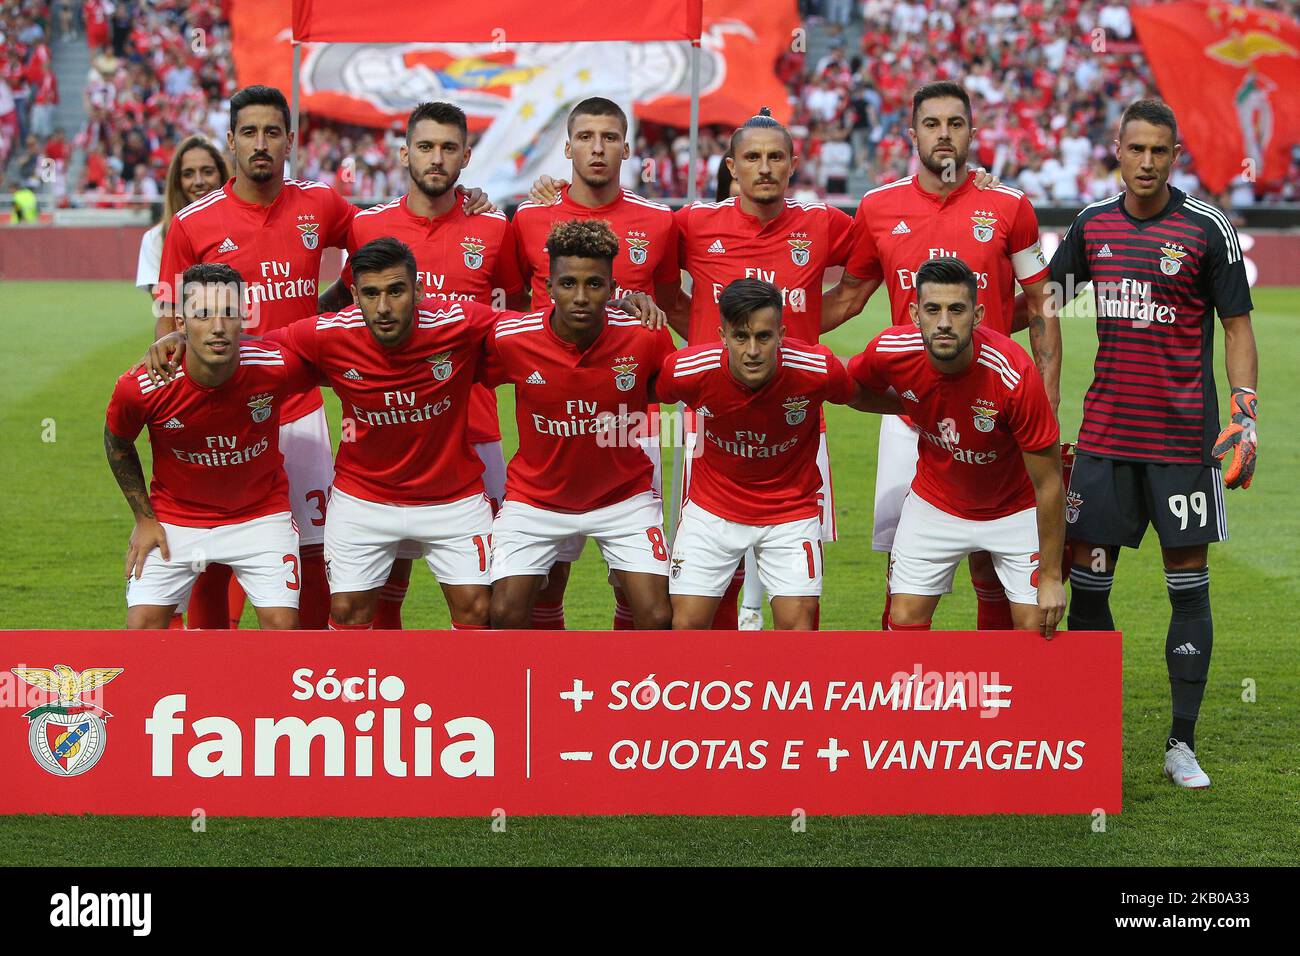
(1240, 435)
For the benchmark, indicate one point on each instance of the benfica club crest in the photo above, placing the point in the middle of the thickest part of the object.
(985, 418)
(1173, 258)
(796, 410)
(1072, 503)
(625, 374)
(440, 365)
(473, 253)
(67, 735)
(636, 250)
(261, 407)
(982, 224)
(677, 568)
(309, 238)
(799, 254)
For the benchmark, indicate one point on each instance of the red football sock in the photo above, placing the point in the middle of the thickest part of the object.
(894, 626)
(208, 602)
(336, 626)
(457, 626)
(548, 617)
(994, 612)
(235, 598)
(314, 598)
(388, 613)
(177, 623)
(727, 616)
(623, 620)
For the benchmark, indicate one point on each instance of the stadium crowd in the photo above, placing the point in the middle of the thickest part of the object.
(1048, 78)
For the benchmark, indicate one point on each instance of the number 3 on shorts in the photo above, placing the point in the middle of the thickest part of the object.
(292, 561)
(657, 546)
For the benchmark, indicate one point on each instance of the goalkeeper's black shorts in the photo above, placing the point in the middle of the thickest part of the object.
(1110, 503)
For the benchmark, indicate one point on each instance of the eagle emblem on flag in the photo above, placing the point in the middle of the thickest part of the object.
(440, 365)
(799, 254)
(982, 224)
(261, 407)
(310, 239)
(625, 374)
(473, 253)
(796, 410)
(1172, 259)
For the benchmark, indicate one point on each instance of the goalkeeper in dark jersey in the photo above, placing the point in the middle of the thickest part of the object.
(1150, 449)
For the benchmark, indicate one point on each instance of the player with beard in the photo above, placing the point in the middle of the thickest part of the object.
(272, 231)
(461, 256)
(942, 211)
(646, 262)
(1161, 264)
(989, 472)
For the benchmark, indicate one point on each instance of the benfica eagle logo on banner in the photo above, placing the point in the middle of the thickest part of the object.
(67, 735)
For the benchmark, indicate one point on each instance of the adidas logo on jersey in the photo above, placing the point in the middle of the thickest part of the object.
(901, 229)
(1186, 649)
(1105, 252)
(228, 246)
(535, 379)
(703, 410)
(173, 422)
(352, 374)
(910, 396)
(717, 247)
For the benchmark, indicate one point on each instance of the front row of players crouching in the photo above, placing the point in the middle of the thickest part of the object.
(402, 366)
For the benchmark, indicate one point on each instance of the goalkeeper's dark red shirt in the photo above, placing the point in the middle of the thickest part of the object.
(1157, 283)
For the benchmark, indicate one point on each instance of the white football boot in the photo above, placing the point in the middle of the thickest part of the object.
(749, 619)
(1181, 767)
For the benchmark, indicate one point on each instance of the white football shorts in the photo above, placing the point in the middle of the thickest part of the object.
(895, 469)
(262, 552)
(630, 534)
(362, 539)
(494, 481)
(708, 549)
(309, 465)
(931, 543)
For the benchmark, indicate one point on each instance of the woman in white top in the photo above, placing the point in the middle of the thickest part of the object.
(197, 168)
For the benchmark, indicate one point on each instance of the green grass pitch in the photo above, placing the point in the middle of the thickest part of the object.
(65, 530)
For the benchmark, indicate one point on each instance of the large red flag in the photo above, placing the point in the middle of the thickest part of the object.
(376, 84)
(501, 21)
(1232, 76)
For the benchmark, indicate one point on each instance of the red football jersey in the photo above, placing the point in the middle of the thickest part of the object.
(646, 233)
(459, 257)
(216, 451)
(759, 460)
(568, 405)
(975, 424)
(276, 249)
(719, 243)
(405, 409)
(994, 231)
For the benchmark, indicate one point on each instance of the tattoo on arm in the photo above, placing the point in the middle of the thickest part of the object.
(124, 462)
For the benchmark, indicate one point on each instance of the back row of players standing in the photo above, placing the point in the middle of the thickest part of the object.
(273, 232)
